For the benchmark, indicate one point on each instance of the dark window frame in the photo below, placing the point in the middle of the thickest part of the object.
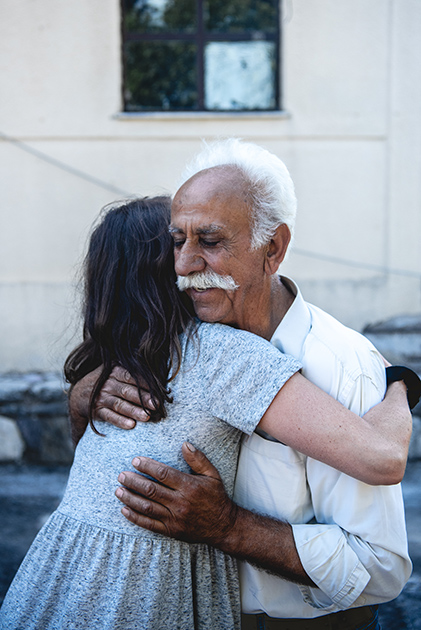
(201, 37)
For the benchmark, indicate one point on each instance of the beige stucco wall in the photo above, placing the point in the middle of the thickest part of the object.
(350, 137)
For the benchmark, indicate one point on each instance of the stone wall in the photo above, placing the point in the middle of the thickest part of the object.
(34, 425)
(399, 340)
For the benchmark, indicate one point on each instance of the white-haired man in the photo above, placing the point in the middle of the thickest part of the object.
(339, 545)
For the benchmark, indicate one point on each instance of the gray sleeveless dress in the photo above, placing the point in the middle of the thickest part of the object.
(89, 568)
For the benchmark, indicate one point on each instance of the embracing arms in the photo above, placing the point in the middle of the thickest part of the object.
(196, 508)
(373, 448)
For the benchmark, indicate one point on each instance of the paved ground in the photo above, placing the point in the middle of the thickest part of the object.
(29, 494)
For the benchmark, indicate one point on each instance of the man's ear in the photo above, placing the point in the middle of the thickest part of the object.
(277, 249)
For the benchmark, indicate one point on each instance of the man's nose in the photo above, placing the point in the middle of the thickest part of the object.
(188, 260)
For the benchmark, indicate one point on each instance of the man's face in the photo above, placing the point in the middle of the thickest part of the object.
(210, 225)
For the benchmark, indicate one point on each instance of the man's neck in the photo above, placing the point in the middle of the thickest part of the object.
(281, 301)
(269, 316)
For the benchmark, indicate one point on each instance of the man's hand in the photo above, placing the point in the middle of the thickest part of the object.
(193, 508)
(117, 403)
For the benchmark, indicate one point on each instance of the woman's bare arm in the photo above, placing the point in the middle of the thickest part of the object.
(373, 448)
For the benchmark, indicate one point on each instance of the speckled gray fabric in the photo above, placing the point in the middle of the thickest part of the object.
(89, 568)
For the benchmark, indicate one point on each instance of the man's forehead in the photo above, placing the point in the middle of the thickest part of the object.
(212, 201)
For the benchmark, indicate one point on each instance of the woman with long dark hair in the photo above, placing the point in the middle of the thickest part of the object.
(89, 567)
(133, 311)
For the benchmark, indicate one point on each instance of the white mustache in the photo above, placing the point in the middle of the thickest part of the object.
(203, 280)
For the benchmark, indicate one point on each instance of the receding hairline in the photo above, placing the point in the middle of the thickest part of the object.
(228, 171)
(225, 179)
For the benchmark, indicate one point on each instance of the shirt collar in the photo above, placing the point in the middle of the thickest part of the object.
(290, 335)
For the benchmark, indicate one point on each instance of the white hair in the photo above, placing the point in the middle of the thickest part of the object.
(271, 188)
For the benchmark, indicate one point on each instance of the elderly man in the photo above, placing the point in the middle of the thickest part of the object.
(339, 545)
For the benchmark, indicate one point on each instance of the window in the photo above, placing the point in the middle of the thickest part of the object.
(200, 55)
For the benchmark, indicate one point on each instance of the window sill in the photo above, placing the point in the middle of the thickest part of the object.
(137, 116)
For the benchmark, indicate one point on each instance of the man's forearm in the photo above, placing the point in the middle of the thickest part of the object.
(266, 543)
(79, 400)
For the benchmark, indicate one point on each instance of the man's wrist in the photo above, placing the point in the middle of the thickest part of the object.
(266, 543)
(232, 538)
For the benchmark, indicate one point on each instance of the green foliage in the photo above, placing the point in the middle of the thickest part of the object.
(180, 15)
(160, 75)
(241, 15)
(141, 16)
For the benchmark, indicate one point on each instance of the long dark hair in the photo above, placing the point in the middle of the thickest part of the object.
(133, 311)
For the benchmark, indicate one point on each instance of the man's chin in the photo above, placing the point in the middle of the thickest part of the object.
(207, 313)
(210, 305)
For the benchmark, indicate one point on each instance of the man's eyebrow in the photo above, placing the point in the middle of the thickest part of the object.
(212, 228)
(209, 229)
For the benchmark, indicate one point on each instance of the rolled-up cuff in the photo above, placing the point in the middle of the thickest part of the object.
(332, 565)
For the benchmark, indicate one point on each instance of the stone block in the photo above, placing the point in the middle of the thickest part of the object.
(50, 389)
(12, 445)
(399, 339)
(47, 439)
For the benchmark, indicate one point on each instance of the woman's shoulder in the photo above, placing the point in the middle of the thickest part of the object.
(228, 333)
(215, 347)
(218, 338)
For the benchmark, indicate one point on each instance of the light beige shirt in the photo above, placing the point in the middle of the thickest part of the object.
(351, 537)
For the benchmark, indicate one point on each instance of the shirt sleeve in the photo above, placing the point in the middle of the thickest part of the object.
(357, 552)
(243, 375)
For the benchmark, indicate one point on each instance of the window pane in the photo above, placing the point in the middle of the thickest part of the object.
(160, 75)
(240, 75)
(154, 16)
(241, 15)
